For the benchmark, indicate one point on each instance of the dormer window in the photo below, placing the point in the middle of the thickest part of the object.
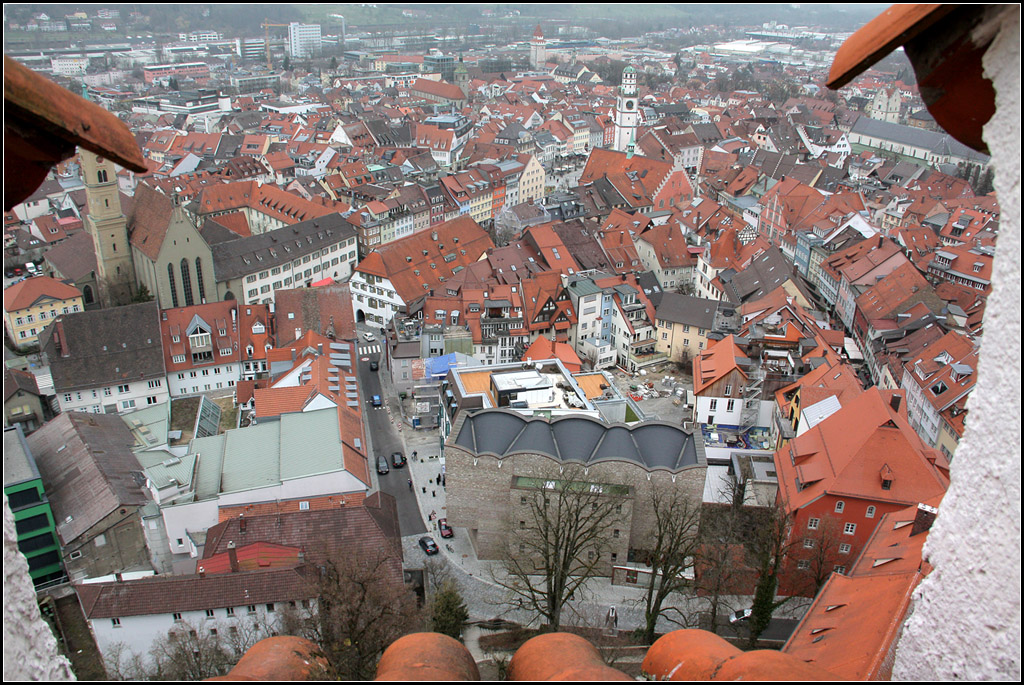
(258, 328)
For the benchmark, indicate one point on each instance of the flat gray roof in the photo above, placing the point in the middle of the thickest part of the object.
(18, 463)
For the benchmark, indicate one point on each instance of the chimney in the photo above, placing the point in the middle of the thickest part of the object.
(319, 348)
(895, 401)
(241, 523)
(293, 354)
(202, 571)
(117, 577)
(924, 519)
(233, 556)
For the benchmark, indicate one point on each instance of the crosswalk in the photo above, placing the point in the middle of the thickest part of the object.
(369, 349)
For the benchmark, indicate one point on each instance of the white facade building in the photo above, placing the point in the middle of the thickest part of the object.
(114, 398)
(303, 40)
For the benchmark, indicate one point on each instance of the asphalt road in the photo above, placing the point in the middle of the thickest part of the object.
(778, 630)
(383, 439)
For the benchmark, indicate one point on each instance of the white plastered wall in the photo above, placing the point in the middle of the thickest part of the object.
(965, 621)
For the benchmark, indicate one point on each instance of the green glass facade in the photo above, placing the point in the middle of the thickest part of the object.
(33, 518)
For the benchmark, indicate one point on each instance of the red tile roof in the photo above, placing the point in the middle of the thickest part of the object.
(416, 264)
(36, 290)
(846, 452)
(715, 363)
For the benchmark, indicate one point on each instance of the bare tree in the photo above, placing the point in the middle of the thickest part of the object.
(671, 547)
(189, 652)
(720, 566)
(123, 664)
(359, 611)
(719, 563)
(768, 543)
(560, 543)
(819, 556)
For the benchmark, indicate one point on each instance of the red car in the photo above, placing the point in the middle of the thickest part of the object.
(445, 530)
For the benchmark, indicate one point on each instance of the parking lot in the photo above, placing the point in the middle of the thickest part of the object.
(657, 392)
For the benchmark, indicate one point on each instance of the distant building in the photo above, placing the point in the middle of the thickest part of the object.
(304, 40)
(627, 111)
(538, 49)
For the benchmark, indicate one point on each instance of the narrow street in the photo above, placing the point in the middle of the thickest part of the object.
(383, 436)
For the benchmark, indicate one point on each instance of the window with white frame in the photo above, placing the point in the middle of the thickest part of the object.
(844, 548)
(850, 528)
(808, 543)
(870, 513)
(840, 505)
(812, 524)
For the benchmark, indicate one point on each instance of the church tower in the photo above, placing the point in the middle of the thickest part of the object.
(108, 227)
(538, 50)
(627, 112)
(462, 78)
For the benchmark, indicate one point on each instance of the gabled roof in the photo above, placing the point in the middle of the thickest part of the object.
(852, 626)
(166, 594)
(716, 362)
(357, 530)
(104, 347)
(88, 467)
(545, 348)
(416, 264)
(37, 290)
(847, 453)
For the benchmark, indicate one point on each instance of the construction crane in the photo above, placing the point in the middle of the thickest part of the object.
(266, 38)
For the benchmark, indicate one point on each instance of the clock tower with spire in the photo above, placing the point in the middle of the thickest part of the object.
(627, 111)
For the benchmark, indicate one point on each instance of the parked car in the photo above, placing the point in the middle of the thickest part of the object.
(382, 465)
(374, 366)
(741, 615)
(376, 401)
(428, 545)
(445, 530)
(398, 460)
(368, 337)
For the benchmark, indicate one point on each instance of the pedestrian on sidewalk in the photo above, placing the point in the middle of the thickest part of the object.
(410, 484)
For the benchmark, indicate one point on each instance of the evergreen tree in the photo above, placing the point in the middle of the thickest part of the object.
(448, 612)
(985, 186)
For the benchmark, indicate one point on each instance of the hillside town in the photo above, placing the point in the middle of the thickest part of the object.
(281, 343)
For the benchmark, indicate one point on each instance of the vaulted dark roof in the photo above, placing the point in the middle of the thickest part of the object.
(652, 445)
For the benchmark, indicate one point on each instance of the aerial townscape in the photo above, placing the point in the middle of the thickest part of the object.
(286, 287)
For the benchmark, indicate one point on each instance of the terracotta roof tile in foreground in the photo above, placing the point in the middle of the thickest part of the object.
(44, 122)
